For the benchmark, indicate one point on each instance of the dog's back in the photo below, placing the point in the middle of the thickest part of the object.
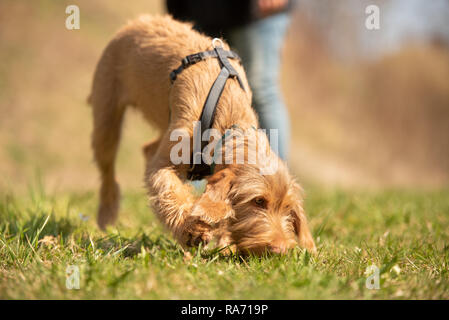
(136, 64)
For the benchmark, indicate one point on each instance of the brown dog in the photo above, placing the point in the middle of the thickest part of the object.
(240, 206)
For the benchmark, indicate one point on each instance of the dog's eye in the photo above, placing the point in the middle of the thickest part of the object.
(260, 202)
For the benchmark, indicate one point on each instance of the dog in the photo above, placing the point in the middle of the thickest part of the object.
(240, 207)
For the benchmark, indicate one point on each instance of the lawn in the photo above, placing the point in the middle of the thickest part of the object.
(404, 233)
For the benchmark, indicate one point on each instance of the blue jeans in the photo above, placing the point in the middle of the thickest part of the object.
(259, 45)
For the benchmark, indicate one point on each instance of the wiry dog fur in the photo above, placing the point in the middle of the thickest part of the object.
(240, 206)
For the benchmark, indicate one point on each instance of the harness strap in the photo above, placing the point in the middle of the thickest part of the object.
(222, 56)
(208, 113)
(200, 56)
(200, 170)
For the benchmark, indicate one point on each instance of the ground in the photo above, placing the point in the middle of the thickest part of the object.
(404, 233)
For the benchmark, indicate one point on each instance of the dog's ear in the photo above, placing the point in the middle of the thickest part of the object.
(219, 184)
(302, 229)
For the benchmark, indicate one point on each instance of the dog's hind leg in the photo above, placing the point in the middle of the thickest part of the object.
(105, 141)
(108, 116)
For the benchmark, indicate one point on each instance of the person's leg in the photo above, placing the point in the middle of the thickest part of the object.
(259, 45)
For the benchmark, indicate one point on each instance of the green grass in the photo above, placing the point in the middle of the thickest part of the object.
(403, 233)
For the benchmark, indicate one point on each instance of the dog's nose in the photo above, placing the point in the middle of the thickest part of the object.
(277, 249)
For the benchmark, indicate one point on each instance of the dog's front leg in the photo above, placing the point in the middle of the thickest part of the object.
(149, 149)
(214, 208)
(173, 202)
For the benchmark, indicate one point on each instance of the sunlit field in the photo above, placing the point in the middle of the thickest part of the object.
(404, 234)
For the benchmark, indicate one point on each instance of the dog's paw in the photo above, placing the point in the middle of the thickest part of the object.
(196, 231)
(225, 245)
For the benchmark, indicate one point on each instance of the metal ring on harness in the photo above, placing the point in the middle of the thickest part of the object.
(215, 40)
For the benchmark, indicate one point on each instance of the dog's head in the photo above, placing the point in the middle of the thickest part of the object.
(267, 213)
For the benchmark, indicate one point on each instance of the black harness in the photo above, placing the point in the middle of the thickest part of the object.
(199, 171)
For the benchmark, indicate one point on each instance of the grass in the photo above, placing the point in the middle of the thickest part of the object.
(404, 233)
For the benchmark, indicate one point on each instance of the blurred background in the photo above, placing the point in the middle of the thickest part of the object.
(369, 109)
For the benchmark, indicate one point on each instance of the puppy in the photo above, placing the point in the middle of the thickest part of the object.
(241, 205)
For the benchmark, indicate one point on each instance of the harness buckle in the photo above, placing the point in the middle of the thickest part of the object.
(191, 59)
(172, 76)
(185, 62)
